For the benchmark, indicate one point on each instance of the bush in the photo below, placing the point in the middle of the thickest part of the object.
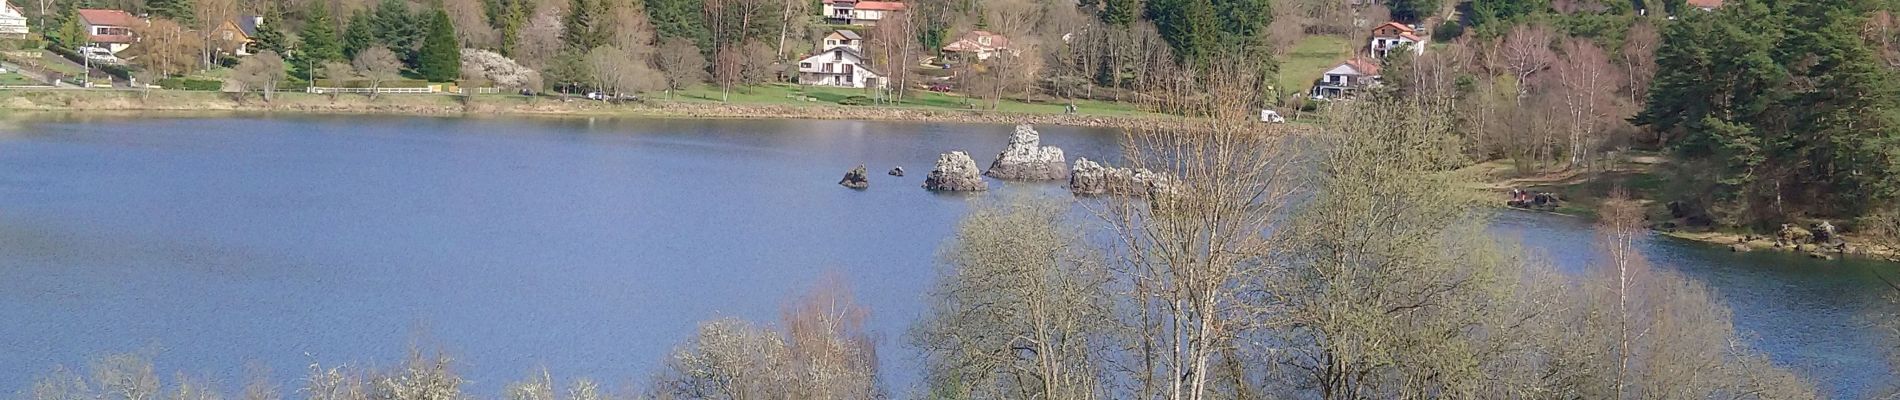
(1448, 31)
(205, 85)
(29, 43)
(855, 100)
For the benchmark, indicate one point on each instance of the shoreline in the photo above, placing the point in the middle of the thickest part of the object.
(185, 103)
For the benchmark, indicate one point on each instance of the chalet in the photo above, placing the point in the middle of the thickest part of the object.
(976, 46)
(843, 38)
(1348, 77)
(1392, 36)
(842, 64)
(856, 12)
(236, 36)
(110, 29)
(12, 22)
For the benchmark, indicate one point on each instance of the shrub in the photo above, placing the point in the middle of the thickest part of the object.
(855, 100)
(206, 85)
(1448, 31)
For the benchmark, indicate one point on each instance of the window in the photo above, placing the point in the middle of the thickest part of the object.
(837, 56)
(984, 40)
(829, 43)
(227, 35)
(804, 65)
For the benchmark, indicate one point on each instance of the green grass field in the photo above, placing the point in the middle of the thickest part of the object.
(15, 79)
(794, 95)
(1311, 58)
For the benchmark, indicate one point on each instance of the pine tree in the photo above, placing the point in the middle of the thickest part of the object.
(175, 10)
(680, 19)
(586, 25)
(269, 37)
(397, 27)
(440, 58)
(1120, 13)
(70, 33)
(359, 35)
(319, 44)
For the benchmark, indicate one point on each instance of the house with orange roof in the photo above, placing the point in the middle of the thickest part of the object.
(1349, 77)
(1393, 36)
(976, 46)
(859, 12)
(110, 29)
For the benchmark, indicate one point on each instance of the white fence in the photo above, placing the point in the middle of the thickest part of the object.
(421, 90)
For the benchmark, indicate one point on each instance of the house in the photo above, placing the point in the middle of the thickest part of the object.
(843, 38)
(1348, 77)
(12, 22)
(842, 65)
(236, 36)
(1706, 5)
(855, 12)
(110, 29)
(1393, 35)
(976, 46)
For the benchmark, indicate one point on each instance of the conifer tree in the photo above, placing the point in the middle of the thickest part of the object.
(358, 35)
(319, 42)
(441, 58)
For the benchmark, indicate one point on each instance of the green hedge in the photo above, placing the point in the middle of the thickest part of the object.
(191, 84)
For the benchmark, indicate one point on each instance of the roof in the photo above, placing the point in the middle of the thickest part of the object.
(108, 17)
(248, 24)
(972, 41)
(1360, 66)
(849, 34)
(1711, 4)
(880, 6)
(1402, 27)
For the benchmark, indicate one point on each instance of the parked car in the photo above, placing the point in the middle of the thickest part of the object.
(99, 55)
(1272, 117)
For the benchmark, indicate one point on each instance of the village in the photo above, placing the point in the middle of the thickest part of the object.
(849, 46)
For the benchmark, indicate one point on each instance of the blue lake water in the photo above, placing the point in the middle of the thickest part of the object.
(589, 247)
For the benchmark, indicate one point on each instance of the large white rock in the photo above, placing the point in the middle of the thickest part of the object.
(955, 172)
(1027, 159)
(1092, 178)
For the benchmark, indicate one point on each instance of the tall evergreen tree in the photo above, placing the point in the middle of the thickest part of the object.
(440, 57)
(679, 19)
(359, 35)
(270, 35)
(318, 40)
(1412, 11)
(586, 25)
(399, 28)
(175, 10)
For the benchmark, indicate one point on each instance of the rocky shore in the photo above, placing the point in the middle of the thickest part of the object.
(164, 102)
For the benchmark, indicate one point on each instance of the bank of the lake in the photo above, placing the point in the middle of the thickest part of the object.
(686, 106)
(1638, 175)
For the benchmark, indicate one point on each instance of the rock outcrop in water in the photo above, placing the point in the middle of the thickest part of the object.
(1026, 159)
(856, 179)
(1092, 178)
(896, 171)
(955, 172)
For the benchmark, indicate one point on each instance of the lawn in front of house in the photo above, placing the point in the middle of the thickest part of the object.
(788, 94)
(1310, 59)
(15, 79)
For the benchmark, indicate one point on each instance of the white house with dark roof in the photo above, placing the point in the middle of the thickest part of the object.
(841, 65)
(1349, 77)
(843, 37)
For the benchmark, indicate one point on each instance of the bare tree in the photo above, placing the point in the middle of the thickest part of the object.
(211, 15)
(1021, 309)
(792, 14)
(729, 66)
(471, 23)
(618, 72)
(168, 48)
(126, 377)
(832, 356)
(377, 65)
(1525, 51)
(1639, 59)
(632, 31)
(681, 64)
(1583, 82)
(263, 72)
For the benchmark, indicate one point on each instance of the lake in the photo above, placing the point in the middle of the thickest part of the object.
(590, 247)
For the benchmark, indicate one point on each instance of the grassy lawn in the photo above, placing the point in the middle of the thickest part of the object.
(794, 95)
(1311, 58)
(15, 79)
(1582, 191)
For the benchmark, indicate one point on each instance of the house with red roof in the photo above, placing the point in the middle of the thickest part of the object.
(1392, 36)
(1349, 77)
(110, 29)
(976, 46)
(859, 12)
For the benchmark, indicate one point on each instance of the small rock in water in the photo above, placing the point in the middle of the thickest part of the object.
(856, 179)
(897, 171)
(955, 172)
(1027, 159)
(1820, 256)
(1739, 248)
